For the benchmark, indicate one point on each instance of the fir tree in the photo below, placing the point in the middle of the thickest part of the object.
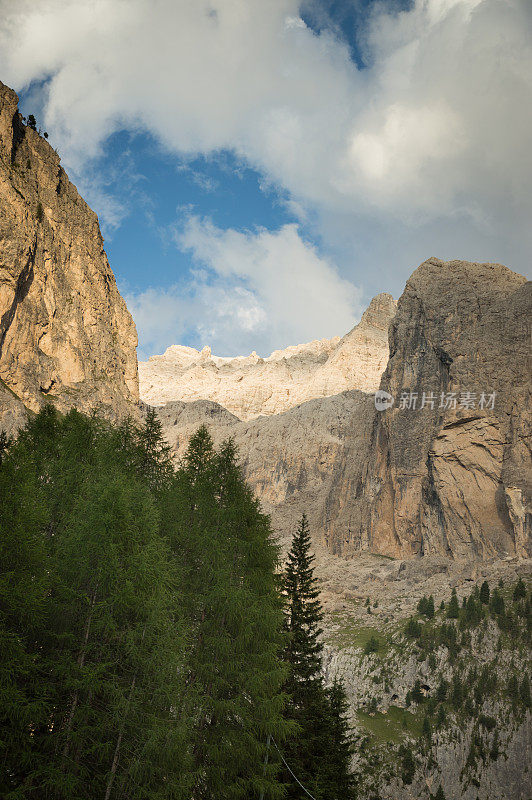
(485, 593)
(519, 591)
(231, 601)
(319, 753)
(453, 608)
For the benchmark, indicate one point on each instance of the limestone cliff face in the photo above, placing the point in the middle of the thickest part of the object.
(252, 386)
(451, 481)
(454, 480)
(65, 331)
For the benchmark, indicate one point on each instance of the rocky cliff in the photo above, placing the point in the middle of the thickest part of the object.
(65, 331)
(251, 386)
(444, 470)
(449, 470)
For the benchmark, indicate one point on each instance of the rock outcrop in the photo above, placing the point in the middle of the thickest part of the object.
(449, 478)
(65, 332)
(453, 475)
(252, 386)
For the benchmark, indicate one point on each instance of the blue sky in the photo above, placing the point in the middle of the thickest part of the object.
(260, 170)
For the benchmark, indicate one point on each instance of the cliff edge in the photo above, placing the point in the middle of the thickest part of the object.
(65, 332)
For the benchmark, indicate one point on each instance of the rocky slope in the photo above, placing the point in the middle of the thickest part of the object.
(468, 727)
(302, 460)
(65, 331)
(252, 386)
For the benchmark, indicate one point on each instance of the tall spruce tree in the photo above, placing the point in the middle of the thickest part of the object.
(319, 754)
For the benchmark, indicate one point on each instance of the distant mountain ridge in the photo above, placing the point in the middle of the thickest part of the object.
(421, 477)
(251, 386)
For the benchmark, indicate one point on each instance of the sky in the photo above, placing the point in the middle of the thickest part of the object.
(262, 168)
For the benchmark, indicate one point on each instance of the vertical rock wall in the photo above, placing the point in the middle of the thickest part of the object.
(65, 331)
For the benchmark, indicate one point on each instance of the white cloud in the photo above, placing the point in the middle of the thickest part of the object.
(426, 151)
(255, 290)
(441, 116)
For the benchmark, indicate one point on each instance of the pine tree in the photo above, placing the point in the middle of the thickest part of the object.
(453, 608)
(519, 591)
(97, 667)
(485, 593)
(319, 754)
(497, 603)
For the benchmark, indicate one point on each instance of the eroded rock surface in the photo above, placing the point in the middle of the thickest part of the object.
(65, 331)
(453, 480)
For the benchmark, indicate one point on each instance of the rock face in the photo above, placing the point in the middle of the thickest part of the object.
(65, 331)
(455, 478)
(452, 481)
(252, 386)
(302, 460)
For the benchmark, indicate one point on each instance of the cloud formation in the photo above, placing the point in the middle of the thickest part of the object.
(250, 291)
(423, 151)
(439, 121)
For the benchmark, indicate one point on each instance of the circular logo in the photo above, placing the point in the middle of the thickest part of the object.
(383, 400)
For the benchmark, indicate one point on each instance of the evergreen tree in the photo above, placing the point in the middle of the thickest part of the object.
(95, 671)
(519, 591)
(453, 608)
(485, 593)
(497, 603)
(408, 764)
(319, 753)
(231, 602)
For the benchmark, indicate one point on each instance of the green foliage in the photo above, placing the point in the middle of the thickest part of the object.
(319, 754)
(32, 122)
(440, 795)
(519, 591)
(453, 608)
(497, 603)
(426, 606)
(89, 632)
(485, 593)
(416, 693)
(524, 692)
(372, 646)
(408, 765)
(140, 618)
(413, 628)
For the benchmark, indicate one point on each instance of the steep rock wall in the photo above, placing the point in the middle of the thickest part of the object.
(454, 480)
(65, 331)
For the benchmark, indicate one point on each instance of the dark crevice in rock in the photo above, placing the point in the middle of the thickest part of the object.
(459, 422)
(25, 279)
(19, 132)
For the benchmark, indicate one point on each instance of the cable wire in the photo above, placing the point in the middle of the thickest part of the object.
(290, 771)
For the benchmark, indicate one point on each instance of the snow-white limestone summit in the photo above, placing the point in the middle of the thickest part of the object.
(251, 386)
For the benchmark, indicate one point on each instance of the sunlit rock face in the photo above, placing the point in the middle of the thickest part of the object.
(250, 386)
(447, 478)
(65, 332)
(453, 476)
